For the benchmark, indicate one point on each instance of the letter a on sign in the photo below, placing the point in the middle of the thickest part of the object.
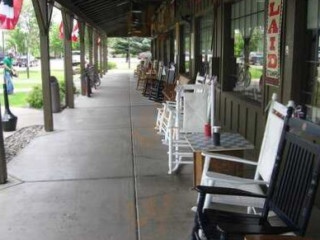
(273, 35)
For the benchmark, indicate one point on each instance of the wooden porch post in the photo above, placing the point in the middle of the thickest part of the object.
(90, 40)
(95, 49)
(193, 57)
(158, 49)
(101, 47)
(43, 10)
(3, 163)
(106, 53)
(82, 28)
(105, 56)
(227, 47)
(178, 47)
(68, 72)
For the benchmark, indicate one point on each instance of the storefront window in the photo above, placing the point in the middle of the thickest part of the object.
(185, 48)
(248, 35)
(172, 38)
(205, 38)
(155, 46)
(153, 49)
(175, 43)
(168, 49)
(311, 86)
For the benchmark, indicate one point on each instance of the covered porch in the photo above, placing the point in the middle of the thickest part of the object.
(100, 170)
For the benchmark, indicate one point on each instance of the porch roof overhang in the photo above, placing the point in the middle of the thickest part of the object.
(111, 16)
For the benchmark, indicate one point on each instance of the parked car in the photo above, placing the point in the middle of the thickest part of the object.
(1, 59)
(23, 61)
(75, 58)
(256, 58)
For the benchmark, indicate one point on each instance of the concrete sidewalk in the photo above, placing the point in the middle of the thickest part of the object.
(102, 175)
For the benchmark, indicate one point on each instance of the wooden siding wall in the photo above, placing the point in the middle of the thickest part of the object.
(238, 115)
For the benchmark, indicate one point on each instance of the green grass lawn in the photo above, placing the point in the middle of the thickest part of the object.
(36, 74)
(16, 100)
(19, 99)
(255, 73)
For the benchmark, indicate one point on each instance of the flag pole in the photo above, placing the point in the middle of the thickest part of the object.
(3, 43)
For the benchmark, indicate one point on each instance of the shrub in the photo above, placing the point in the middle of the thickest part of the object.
(35, 98)
(62, 88)
(112, 65)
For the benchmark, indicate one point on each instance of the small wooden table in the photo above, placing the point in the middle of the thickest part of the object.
(273, 237)
(231, 144)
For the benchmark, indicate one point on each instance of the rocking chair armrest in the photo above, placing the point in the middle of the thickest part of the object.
(227, 191)
(229, 158)
(173, 127)
(251, 229)
(171, 102)
(243, 181)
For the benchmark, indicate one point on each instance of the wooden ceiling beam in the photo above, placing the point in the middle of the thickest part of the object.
(104, 14)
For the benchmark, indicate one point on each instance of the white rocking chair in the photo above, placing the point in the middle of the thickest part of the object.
(192, 106)
(264, 166)
(163, 114)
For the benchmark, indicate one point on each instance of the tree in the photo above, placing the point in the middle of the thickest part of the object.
(56, 43)
(238, 44)
(17, 41)
(256, 40)
(25, 37)
(136, 44)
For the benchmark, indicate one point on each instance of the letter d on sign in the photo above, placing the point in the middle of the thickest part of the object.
(272, 61)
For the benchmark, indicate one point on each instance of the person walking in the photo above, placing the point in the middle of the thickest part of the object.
(9, 120)
(9, 72)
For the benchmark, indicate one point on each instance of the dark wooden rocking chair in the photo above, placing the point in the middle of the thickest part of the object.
(156, 91)
(290, 195)
(169, 87)
(152, 80)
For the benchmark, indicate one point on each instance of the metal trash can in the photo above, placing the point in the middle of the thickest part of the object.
(55, 95)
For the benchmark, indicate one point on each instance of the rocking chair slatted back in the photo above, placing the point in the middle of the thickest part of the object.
(171, 76)
(155, 65)
(156, 89)
(271, 139)
(169, 90)
(160, 71)
(195, 105)
(200, 79)
(292, 196)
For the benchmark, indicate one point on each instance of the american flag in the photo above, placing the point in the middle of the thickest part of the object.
(9, 13)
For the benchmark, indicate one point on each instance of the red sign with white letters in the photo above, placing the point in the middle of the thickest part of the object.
(273, 34)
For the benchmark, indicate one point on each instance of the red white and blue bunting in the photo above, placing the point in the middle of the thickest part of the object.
(9, 13)
(75, 32)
